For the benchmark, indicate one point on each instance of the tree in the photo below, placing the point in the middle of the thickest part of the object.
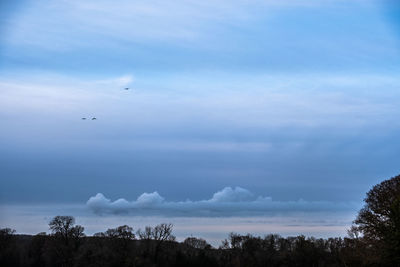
(146, 234)
(163, 232)
(198, 243)
(67, 238)
(379, 220)
(122, 232)
(115, 245)
(160, 234)
(63, 226)
(8, 249)
(36, 250)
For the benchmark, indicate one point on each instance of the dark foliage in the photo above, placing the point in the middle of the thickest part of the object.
(379, 221)
(118, 247)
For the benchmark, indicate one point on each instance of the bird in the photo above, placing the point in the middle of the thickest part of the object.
(83, 118)
(126, 88)
(94, 118)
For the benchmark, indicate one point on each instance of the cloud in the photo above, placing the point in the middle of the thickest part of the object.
(137, 21)
(149, 199)
(268, 101)
(124, 80)
(229, 194)
(226, 202)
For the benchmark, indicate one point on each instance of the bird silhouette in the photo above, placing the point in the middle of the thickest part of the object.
(83, 118)
(126, 88)
(94, 118)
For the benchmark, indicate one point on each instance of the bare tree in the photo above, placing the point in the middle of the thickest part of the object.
(146, 234)
(160, 234)
(163, 232)
(67, 238)
(123, 232)
(63, 226)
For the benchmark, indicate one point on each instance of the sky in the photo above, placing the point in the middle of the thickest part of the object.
(235, 109)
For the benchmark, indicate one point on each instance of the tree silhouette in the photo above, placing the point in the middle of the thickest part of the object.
(8, 256)
(66, 238)
(63, 226)
(198, 243)
(379, 220)
(36, 250)
(122, 232)
(159, 234)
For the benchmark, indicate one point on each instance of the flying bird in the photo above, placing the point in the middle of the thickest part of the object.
(83, 118)
(94, 118)
(126, 88)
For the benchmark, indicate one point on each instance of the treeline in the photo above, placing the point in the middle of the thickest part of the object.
(373, 240)
(156, 246)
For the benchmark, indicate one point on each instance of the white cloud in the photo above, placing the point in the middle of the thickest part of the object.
(98, 202)
(227, 202)
(149, 199)
(229, 194)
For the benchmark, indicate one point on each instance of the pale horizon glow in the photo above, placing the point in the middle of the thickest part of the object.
(33, 219)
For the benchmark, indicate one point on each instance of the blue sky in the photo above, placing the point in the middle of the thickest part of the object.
(289, 100)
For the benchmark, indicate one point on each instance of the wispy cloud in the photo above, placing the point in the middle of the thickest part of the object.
(243, 101)
(227, 202)
(138, 21)
(102, 36)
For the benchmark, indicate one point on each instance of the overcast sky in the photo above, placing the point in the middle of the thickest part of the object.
(234, 108)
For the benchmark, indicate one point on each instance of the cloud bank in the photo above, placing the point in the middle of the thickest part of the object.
(229, 201)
